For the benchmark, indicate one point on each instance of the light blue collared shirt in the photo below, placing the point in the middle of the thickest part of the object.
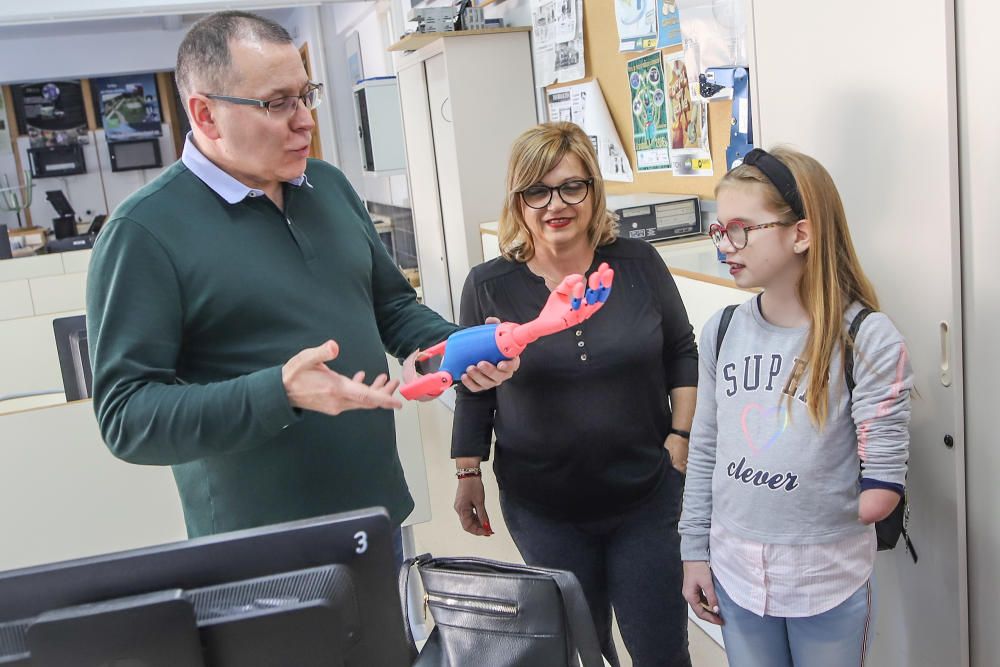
(222, 183)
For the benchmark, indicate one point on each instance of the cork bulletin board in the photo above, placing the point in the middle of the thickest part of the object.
(605, 64)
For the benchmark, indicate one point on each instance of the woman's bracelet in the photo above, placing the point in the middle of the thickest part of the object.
(462, 473)
(684, 434)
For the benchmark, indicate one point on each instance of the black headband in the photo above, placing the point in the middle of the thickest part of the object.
(780, 176)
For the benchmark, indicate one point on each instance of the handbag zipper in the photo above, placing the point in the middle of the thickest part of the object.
(468, 604)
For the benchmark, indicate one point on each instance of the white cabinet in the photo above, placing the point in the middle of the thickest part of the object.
(890, 143)
(465, 98)
(380, 128)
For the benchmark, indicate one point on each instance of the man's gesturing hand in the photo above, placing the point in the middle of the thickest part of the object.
(311, 385)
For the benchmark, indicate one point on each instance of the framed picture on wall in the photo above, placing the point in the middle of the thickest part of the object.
(128, 106)
(355, 66)
(51, 113)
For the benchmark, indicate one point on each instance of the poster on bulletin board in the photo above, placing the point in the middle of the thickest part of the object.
(637, 21)
(650, 117)
(689, 147)
(129, 106)
(668, 24)
(51, 113)
(557, 41)
(584, 105)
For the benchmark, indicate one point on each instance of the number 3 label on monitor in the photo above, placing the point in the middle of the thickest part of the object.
(362, 538)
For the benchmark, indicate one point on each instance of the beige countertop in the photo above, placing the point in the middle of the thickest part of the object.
(693, 257)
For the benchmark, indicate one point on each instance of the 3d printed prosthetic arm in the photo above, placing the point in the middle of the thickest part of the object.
(573, 301)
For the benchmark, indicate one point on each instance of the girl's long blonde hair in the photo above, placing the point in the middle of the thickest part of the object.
(833, 278)
(534, 154)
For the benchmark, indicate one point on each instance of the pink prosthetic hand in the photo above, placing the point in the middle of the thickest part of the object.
(573, 301)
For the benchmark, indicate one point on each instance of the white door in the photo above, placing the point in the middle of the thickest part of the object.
(423, 188)
(979, 98)
(869, 90)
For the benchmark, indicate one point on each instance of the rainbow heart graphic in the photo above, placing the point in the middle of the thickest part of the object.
(778, 413)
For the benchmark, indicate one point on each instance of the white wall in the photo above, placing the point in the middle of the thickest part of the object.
(119, 185)
(47, 11)
(86, 49)
(337, 22)
(305, 26)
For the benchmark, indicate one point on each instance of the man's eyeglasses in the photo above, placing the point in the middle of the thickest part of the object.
(571, 192)
(738, 232)
(280, 106)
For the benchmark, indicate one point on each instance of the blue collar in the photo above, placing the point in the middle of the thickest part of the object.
(222, 183)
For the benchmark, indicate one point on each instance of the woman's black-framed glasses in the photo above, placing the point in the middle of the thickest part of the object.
(738, 232)
(279, 106)
(571, 192)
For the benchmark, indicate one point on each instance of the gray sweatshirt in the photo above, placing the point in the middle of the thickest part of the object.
(759, 466)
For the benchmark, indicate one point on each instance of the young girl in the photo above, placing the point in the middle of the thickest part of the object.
(777, 533)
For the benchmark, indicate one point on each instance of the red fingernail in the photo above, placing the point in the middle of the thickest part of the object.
(487, 526)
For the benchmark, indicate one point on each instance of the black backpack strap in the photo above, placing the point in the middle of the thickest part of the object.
(852, 334)
(727, 317)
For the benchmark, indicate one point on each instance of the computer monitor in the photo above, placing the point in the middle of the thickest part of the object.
(138, 154)
(53, 161)
(5, 250)
(309, 593)
(96, 224)
(74, 356)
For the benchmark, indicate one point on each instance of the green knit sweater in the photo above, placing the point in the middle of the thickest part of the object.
(194, 305)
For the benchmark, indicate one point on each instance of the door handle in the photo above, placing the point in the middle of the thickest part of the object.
(945, 332)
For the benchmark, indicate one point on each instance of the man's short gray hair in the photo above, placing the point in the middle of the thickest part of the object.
(203, 59)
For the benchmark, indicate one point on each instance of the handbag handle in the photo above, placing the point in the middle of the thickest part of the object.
(579, 622)
(404, 587)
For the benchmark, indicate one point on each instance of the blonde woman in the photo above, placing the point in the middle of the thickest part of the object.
(591, 433)
(778, 542)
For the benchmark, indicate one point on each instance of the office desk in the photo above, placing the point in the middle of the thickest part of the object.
(63, 495)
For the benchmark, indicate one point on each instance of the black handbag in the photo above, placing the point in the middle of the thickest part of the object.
(493, 614)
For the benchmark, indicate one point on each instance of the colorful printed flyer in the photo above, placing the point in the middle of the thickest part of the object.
(689, 148)
(650, 117)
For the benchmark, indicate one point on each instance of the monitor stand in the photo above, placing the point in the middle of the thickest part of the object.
(152, 630)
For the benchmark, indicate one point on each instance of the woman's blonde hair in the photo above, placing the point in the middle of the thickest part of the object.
(534, 154)
(833, 278)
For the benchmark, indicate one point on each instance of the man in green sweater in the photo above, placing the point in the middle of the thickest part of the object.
(216, 294)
